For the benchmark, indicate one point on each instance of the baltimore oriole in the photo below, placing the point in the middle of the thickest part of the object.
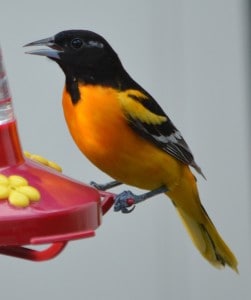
(125, 133)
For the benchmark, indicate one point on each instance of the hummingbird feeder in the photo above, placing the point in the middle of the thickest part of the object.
(39, 205)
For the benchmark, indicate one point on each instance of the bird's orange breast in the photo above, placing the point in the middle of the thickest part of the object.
(101, 131)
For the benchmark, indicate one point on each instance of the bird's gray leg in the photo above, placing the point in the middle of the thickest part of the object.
(106, 186)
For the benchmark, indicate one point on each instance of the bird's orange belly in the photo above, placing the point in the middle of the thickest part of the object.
(101, 132)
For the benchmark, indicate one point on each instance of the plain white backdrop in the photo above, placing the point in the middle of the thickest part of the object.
(192, 56)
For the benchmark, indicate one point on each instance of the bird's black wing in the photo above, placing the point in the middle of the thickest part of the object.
(148, 119)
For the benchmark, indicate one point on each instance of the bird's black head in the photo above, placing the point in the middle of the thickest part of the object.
(83, 56)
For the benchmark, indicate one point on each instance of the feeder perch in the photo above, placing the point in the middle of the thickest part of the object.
(39, 205)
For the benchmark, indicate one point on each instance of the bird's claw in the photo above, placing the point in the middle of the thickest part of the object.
(123, 201)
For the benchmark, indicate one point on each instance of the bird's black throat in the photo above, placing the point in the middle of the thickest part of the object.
(120, 81)
(73, 89)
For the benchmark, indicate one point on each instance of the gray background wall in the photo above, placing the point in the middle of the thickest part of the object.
(192, 56)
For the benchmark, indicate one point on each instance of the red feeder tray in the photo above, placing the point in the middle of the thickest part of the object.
(67, 209)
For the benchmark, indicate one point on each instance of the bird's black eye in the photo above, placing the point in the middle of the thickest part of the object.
(77, 43)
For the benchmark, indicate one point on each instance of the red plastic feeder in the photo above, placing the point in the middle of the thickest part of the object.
(39, 205)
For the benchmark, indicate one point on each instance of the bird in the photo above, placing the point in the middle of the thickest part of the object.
(124, 132)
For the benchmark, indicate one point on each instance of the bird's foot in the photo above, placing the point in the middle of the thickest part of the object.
(127, 199)
(124, 200)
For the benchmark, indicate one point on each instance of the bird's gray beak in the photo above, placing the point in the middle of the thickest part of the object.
(52, 52)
